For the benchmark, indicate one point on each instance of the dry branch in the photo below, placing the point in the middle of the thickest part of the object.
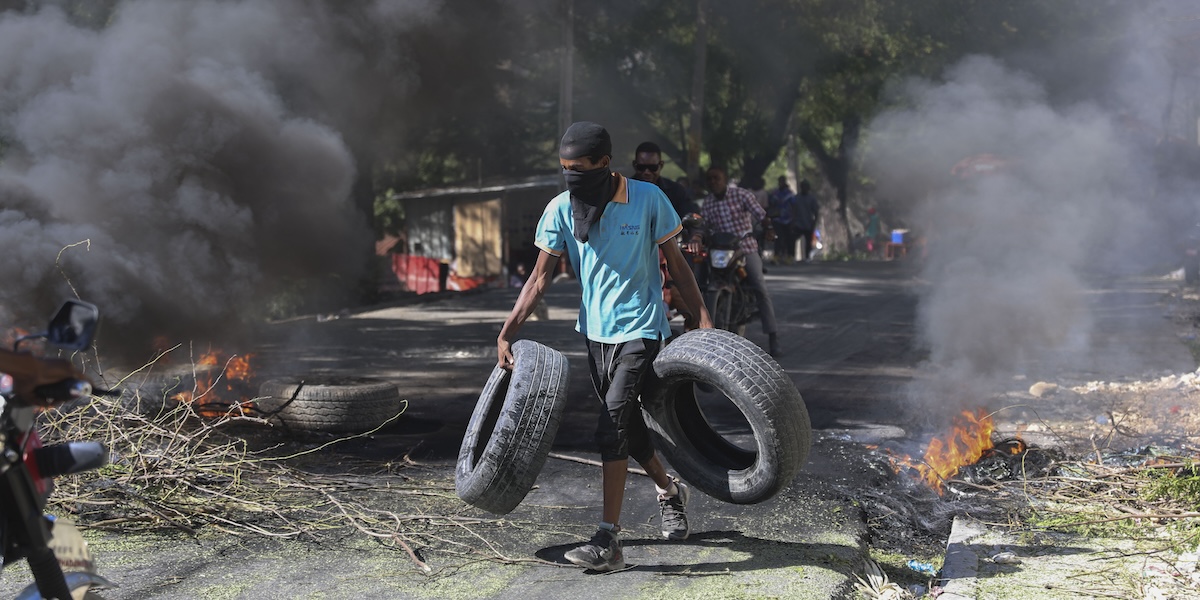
(174, 469)
(594, 463)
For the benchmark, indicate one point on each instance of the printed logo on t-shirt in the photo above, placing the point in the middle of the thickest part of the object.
(627, 229)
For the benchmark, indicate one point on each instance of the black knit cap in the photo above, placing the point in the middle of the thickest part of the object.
(585, 139)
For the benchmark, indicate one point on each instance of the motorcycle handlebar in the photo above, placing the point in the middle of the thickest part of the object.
(70, 457)
(63, 391)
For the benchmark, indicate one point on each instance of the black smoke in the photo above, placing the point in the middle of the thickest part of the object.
(1080, 167)
(178, 163)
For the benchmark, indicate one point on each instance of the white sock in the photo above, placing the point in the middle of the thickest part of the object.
(669, 491)
(610, 527)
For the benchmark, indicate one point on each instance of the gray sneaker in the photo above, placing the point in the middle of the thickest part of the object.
(601, 553)
(674, 514)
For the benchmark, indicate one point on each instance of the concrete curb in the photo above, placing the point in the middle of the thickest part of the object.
(961, 566)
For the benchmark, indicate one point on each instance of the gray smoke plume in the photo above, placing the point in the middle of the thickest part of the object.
(1054, 191)
(187, 155)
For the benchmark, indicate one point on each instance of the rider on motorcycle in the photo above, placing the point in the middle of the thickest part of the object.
(731, 209)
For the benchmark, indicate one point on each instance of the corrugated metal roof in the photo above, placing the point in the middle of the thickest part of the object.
(554, 181)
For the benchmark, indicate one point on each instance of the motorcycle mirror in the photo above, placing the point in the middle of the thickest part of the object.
(74, 325)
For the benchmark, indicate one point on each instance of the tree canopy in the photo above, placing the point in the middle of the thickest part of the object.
(468, 90)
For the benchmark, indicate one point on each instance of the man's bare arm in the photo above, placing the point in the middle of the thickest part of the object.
(685, 282)
(531, 293)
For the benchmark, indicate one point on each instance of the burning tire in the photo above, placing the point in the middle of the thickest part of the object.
(510, 433)
(761, 391)
(329, 404)
(150, 394)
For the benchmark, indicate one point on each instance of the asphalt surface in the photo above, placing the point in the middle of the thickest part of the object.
(849, 344)
(807, 542)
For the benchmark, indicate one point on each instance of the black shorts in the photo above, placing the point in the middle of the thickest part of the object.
(619, 372)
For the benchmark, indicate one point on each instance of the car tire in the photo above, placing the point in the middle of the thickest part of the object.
(328, 404)
(512, 429)
(757, 386)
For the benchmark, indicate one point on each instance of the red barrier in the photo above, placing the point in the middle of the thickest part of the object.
(417, 273)
(455, 283)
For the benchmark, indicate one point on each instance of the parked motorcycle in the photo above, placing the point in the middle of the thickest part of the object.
(732, 302)
(55, 551)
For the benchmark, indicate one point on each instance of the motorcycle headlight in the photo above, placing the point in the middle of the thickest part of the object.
(720, 258)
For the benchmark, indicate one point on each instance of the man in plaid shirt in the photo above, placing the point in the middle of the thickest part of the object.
(729, 208)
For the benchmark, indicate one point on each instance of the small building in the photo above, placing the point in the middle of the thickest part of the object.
(464, 237)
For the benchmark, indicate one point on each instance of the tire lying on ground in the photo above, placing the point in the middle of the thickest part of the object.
(150, 394)
(329, 404)
(757, 386)
(512, 428)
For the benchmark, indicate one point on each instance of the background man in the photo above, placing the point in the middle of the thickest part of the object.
(647, 166)
(756, 186)
(806, 219)
(781, 207)
(611, 229)
(729, 208)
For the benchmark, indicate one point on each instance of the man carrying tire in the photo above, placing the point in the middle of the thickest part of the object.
(611, 228)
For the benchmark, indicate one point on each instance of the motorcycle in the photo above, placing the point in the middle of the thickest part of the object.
(732, 303)
(55, 551)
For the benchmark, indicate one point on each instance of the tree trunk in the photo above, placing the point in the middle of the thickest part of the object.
(848, 149)
(754, 167)
(699, 66)
(779, 132)
(793, 162)
(566, 90)
(836, 168)
(363, 194)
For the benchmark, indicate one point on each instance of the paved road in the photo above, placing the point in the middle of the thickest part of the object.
(849, 344)
(805, 543)
(846, 331)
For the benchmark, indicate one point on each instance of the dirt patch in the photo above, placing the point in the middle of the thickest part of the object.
(1085, 417)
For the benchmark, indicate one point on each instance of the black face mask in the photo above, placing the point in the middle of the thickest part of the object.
(593, 188)
(590, 193)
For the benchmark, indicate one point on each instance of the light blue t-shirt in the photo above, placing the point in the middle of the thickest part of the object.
(618, 265)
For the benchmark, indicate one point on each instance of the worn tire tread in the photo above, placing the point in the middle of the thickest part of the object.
(333, 405)
(497, 472)
(762, 391)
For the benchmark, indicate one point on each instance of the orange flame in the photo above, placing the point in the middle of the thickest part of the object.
(969, 439)
(223, 382)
